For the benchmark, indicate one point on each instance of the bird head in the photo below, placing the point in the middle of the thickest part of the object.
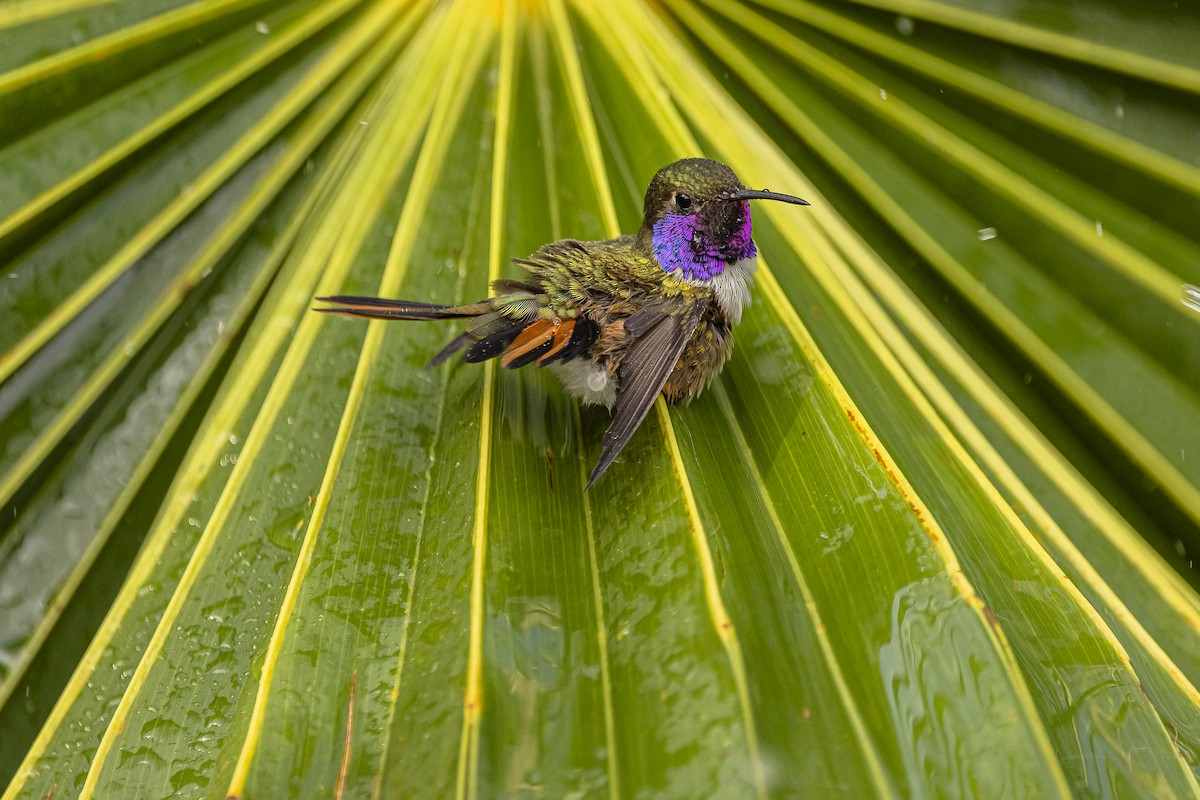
(697, 217)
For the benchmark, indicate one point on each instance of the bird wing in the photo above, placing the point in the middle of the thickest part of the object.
(644, 371)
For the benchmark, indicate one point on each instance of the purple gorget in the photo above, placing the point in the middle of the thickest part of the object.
(680, 244)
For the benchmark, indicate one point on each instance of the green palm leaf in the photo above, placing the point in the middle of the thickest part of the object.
(928, 534)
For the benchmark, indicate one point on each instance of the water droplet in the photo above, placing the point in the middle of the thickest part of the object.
(904, 25)
(836, 539)
(987, 233)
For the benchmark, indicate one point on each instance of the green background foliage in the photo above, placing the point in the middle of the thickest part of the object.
(929, 534)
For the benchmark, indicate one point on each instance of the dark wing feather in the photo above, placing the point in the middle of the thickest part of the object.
(642, 320)
(643, 373)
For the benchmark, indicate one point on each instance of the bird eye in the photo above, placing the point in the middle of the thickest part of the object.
(682, 200)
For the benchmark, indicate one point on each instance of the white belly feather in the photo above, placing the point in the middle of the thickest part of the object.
(732, 287)
(588, 381)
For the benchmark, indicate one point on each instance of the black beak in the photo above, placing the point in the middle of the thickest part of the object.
(763, 194)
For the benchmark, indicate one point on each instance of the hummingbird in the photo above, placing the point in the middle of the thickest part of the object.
(620, 320)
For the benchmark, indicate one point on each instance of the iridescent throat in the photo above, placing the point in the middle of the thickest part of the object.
(681, 244)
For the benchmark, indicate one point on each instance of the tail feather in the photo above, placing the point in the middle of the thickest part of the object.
(508, 286)
(492, 345)
(456, 344)
(380, 308)
(509, 324)
(486, 324)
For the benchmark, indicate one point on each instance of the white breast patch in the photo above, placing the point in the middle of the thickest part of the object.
(732, 287)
